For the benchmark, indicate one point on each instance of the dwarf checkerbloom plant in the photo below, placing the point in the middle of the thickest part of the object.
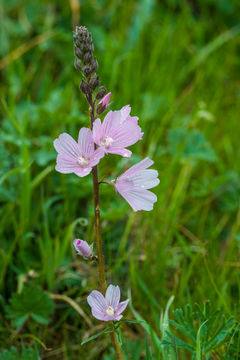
(112, 135)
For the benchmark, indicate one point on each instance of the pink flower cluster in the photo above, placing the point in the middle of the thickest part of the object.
(117, 131)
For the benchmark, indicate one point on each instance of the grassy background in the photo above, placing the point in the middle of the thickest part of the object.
(177, 64)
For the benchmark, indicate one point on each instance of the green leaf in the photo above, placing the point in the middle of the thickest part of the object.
(108, 330)
(31, 303)
(132, 321)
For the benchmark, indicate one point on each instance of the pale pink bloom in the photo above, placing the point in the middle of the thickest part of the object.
(107, 308)
(114, 134)
(105, 100)
(77, 157)
(82, 248)
(133, 185)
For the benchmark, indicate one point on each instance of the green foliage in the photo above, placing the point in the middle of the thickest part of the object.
(203, 331)
(190, 145)
(26, 354)
(30, 303)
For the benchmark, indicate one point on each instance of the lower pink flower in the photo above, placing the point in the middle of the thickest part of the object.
(77, 157)
(107, 308)
(133, 185)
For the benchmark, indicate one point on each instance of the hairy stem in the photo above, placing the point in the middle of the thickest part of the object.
(101, 271)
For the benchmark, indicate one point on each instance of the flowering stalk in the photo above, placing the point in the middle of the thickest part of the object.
(113, 135)
(83, 51)
(101, 270)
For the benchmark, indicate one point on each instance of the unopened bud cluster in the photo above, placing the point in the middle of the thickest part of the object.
(87, 64)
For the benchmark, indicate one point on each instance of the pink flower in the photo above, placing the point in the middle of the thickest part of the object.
(105, 100)
(107, 308)
(116, 132)
(77, 157)
(82, 248)
(133, 184)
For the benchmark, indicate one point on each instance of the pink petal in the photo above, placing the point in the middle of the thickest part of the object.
(66, 145)
(126, 134)
(85, 142)
(146, 179)
(100, 315)
(97, 301)
(125, 115)
(135, 169)
(122, 306)
(81, 172)
(138, 199)
(125, 111)
(97, 131)
(65, 164)
(97, 155)
(112, 296)
(119, 151)
(111, 123)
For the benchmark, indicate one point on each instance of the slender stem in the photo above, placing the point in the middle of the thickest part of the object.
(101, 271)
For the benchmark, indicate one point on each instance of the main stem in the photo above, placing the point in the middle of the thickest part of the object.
(101, 271)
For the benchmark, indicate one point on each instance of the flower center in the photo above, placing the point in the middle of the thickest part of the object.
(110, 311)
(106, 142)
(82, 161)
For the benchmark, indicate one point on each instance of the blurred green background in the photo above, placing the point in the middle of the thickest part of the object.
(177, 64)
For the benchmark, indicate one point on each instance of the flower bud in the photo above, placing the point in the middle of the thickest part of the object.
(101, 93)
(87, 70)
(78, 53)
(94, 65)
(77, 65)
(94, 82)
(87, 59)
(82, 248)
(84, 46)
(84, 87)
(100, 109)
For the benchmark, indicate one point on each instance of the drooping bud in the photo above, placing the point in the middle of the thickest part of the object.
(103, 104)
(101, 93)
(82, 248)
(105, 100)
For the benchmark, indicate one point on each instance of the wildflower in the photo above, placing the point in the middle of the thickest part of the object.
(133, 184)
(77, 157)
(82, 248)
(107, 308)
(113, 135)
